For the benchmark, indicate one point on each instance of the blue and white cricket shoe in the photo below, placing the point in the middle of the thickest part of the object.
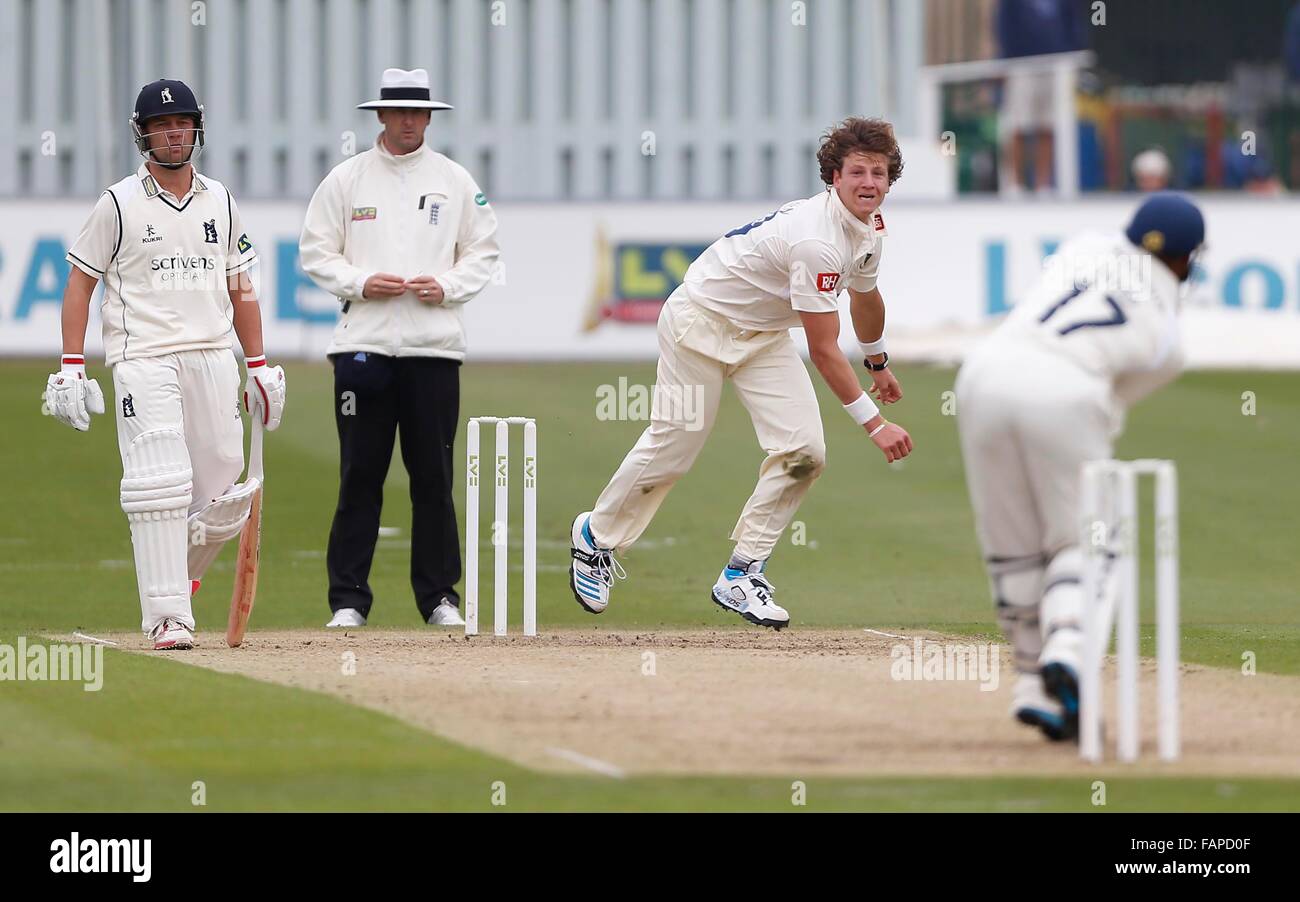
(1059, 666)
(749, 594)
(592, 573)
(1030, 704)
(1062, 684)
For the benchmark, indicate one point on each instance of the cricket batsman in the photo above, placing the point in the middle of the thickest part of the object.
(1047, 392)
(730, 320)
(170, 248)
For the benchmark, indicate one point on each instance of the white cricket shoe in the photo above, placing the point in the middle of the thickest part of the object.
(446, 614)
(750, 595)
(344, 617)
(1030, 704)
(592, 573)
(171, 635)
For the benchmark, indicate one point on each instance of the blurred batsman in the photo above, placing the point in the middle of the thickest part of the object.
(1046, 393)
(403, 237)
(172, 253)
(730, 320)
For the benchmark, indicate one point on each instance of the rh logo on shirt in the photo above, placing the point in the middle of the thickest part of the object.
(826, 281)
(210, 232)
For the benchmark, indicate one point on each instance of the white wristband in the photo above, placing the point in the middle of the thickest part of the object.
(872, 348)
(73, 364)
(872, 433)
(862, 410)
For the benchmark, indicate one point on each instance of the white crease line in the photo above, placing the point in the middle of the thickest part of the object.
(93, 639)
(600, 767)
(886, 635)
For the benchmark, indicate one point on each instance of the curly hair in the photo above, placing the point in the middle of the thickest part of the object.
(856, 135)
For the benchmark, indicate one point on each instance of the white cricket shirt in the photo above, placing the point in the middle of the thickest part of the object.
(1110, 307)
(164, 262)
(762, 274)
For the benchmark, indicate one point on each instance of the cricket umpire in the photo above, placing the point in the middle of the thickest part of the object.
(402, 236)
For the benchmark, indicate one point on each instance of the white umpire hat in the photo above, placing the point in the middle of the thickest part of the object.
(401, 89)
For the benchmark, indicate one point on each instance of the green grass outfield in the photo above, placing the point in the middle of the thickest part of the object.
(883, 547)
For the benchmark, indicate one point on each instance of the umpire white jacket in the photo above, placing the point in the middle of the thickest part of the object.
(418, 214)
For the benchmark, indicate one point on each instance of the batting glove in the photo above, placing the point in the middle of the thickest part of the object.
(264, 392)
(70, 397)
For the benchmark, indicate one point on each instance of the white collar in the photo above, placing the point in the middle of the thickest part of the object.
(406, 159)
(153, 189)
(858, 229)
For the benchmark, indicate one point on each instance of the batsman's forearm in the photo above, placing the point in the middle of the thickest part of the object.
(76, 314)
(76, 311)
(247, 315)
(868, 313)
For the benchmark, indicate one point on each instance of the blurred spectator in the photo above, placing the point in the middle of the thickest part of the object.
(1094, 113)
(1029, 28)
(1151, 170)
(1291, 44)
(1262, 179)
(1252, 172)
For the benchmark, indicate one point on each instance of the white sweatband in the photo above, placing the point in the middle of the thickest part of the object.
(872, 348)
(73, 365)
(872, 433)
(862, 410)
(253, 363)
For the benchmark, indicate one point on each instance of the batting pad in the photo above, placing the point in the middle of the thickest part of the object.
(219, 522)
(1063, 596)
(1017, 585)
(156, 494)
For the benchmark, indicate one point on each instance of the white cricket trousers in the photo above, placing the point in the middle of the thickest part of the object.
(698, 352)
(197, 395)
(1028, 419)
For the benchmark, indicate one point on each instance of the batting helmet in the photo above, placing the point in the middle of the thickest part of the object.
(1167, 224)
(166, 97)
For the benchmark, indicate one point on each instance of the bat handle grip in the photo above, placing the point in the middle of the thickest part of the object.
(255, 451)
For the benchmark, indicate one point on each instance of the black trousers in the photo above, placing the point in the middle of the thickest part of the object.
(376, 398)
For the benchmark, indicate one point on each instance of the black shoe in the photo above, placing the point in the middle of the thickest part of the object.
(1062, 684)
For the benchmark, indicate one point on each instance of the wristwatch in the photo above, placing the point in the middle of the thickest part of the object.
(876, 367)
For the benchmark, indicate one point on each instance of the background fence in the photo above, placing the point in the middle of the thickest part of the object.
(554, 99)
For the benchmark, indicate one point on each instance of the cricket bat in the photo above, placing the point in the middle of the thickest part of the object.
(250, 548)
